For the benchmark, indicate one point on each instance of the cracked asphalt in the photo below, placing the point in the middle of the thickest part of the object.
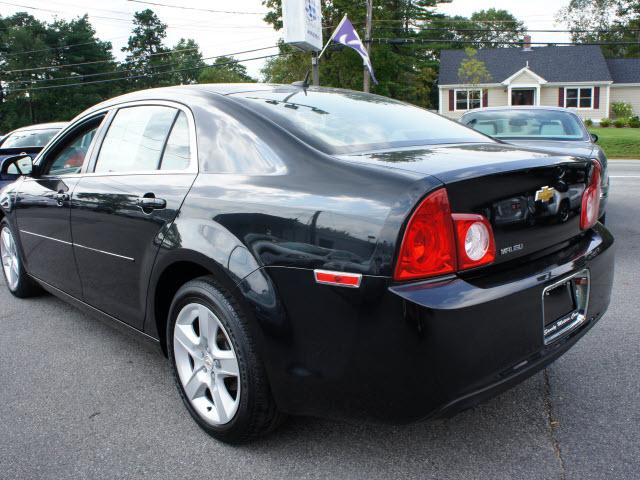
(81, 400)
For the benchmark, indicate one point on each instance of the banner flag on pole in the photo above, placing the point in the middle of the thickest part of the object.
(346, 35)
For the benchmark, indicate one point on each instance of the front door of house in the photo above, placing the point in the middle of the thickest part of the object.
(523, 96)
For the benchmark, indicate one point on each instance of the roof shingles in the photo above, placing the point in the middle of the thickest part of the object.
(580, 63)
(624, 70)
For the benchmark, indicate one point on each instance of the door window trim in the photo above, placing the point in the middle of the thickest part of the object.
(193, 145)
(71, 132)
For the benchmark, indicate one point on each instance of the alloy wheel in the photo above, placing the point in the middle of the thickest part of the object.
(207, 364)
(10, 260)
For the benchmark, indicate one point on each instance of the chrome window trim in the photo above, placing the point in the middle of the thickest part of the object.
(62, 133)
(109, 113)
(193, 140)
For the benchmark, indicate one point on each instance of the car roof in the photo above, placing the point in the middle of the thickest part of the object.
(519, 107)
(186, 93)
(41, 126)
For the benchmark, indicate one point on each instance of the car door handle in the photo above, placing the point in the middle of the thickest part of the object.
(61, 197)
(152, 203)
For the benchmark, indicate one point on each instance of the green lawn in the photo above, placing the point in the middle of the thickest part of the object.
(619, 142)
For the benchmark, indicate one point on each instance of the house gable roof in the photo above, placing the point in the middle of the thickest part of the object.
(624, 70)
(579, 63)
(525, 70)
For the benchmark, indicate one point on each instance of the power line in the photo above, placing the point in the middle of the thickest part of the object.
(61, 47)
(208, 26)
(487, 30)
(55, 67)
(233, 62)
(394, 41)
(118, 72)
(159, 4)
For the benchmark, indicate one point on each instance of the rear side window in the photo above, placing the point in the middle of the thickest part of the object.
(135, 139)
(177, 153)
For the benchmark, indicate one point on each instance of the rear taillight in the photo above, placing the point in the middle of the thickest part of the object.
(437, 242)
(428, 246)
(591, 199)
(474, 238)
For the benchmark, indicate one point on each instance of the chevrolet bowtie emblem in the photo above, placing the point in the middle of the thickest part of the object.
(545, 194)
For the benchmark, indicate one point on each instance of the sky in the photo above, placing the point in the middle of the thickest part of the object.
(228, 33)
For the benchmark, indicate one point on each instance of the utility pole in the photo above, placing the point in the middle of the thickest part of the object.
(366, 84)
(28, 95)
(315, 69)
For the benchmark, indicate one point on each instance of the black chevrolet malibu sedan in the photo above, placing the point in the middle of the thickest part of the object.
(312, 251)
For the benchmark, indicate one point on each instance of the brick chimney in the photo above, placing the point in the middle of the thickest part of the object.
(527, 43)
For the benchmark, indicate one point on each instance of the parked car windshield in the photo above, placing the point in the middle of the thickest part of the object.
(527, 124)
(29, 138)
(338, 121)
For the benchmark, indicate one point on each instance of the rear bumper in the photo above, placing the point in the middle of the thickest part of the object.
(399, 353)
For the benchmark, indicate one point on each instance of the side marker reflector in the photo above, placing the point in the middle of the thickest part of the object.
(339, 279)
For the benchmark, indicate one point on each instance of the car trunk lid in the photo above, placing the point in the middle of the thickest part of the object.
(532, 199)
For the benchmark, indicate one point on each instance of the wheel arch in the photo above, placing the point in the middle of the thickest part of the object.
(170, 274)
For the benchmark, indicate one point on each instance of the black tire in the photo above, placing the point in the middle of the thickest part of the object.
(26, 287)
(257, 413)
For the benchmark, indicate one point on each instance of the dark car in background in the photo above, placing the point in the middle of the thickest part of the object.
(551, 129)
(312, 251)
(29, 140)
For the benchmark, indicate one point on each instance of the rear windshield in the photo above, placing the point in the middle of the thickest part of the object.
(338, 121)
(527, 124)
(29, 138)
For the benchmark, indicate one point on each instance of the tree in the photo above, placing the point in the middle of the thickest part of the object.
(608, 21)
(147, 54)
(401, 69)
(222, 71)
(35, 56)
(185, 57)
(473, 71)
(492, 29)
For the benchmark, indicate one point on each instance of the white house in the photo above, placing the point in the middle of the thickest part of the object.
(576, 77)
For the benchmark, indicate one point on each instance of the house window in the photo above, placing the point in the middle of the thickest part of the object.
(468, 99)
(578, 97)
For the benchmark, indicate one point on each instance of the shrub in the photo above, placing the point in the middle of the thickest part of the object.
(621, 109)
(634, 122)
(588, 122)
(620, 122)
(605, 122)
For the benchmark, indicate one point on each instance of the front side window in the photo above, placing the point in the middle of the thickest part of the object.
(578, 98)
(70, 157)
(135, 139)
(468, 99)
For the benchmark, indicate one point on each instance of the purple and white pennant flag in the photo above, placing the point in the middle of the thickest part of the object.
(347, 36)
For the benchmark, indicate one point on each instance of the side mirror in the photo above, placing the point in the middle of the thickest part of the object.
(16, 166)
(594, 137)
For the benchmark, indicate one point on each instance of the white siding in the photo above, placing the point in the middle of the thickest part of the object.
(524, 78)
(497, 97)
(627, 94)
(549, 97)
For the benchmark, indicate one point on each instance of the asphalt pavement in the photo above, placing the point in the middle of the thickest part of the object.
(81, 400)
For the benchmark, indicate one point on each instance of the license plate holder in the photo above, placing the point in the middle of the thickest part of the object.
(564, 305)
